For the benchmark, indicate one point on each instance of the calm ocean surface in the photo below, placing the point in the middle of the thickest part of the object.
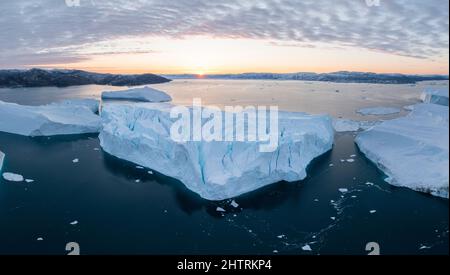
(158, 215)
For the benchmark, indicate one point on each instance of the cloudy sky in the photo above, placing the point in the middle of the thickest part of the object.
(204, 36)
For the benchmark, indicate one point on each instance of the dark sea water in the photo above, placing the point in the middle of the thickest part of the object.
(117, 214)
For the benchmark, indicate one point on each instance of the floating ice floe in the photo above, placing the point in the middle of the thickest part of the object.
(2, 158)
(75, 160)
(220, 209)
(145, 94)
(409, 107)
(234, 204)
(348, 125)
(215, 170)
(47, 120)
(413, 150)
(12, 177)
(435, 96)
(74, 223)
(306, 247)
(90, 103)
(343, 190)
(378, 111)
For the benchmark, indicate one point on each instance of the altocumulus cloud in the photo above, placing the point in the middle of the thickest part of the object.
(50, 31)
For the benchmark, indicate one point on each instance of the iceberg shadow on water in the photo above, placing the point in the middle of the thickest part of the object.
(265, 198)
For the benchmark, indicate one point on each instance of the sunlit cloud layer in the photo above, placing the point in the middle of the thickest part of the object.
(53, 32)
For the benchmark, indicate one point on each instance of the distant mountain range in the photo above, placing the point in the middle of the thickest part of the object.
(342, 76)
(64, 78)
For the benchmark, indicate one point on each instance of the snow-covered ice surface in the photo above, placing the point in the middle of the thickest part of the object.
(12, 177)
(378, 111)
(47, 120)
(92, 104)
(439, 96)
(413, 150)
(145, 94)
(2, 158)
(219, 169)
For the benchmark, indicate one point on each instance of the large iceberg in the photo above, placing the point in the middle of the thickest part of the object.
(46, 120)
(435, 96)
(215, 170)
(2, 158)
(145, 94)
(413, 150)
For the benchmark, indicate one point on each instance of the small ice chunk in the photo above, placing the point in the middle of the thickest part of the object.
(220, 209)
(29, 180)
(96, 149)
(350, 160)
(353, 196)
(352, 156)
(139, 167)
(2, 157)
(39, 239)
(150, 172)
(234, 204)
(74, 223)
(369, 183)
(424, 247)
(331, 165)
(316, 200)
(372, 211)
(409, 107)
(275, 251)
(75, 160)
(281, 236)
(333, 218)
(343, 190)
(306, 247)
(12, 177)
(137, 181)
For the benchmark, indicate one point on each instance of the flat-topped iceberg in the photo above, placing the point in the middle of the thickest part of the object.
(413, 150)
(215, 170)
(47, 120)
(145, 94)
(2, 158)
(435, 96)
(377, 111)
